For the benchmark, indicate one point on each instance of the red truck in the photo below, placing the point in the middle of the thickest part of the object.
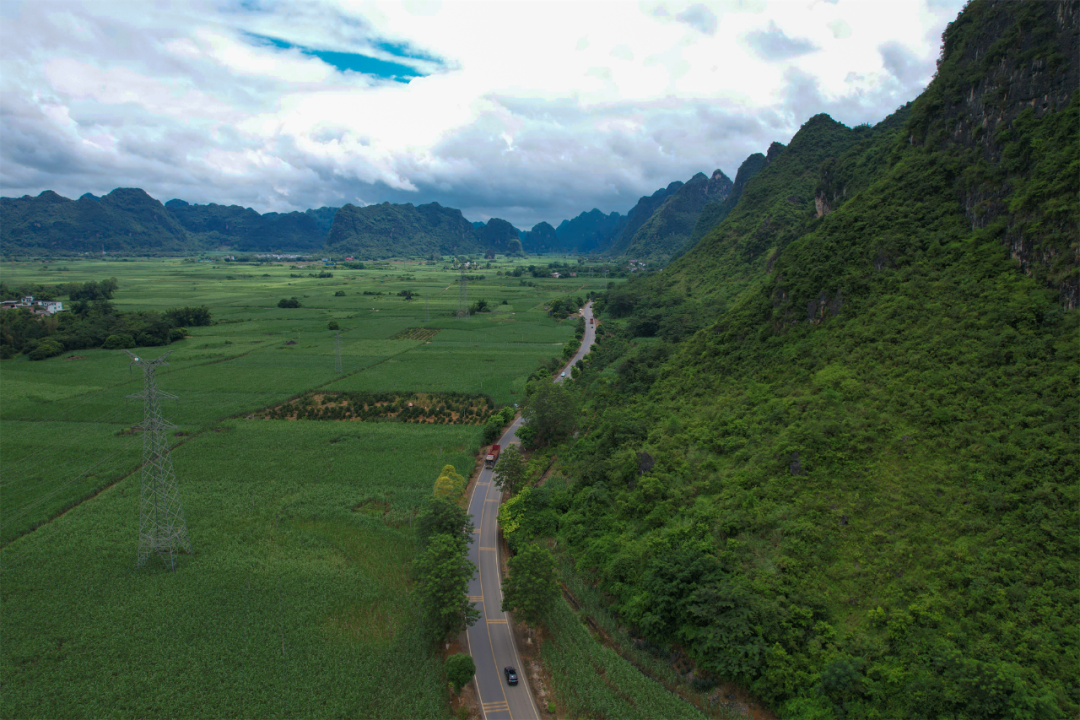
(492, 457)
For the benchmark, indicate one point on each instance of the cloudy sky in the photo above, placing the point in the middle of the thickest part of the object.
(527, 111)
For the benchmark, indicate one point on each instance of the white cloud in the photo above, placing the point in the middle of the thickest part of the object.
(530, 110)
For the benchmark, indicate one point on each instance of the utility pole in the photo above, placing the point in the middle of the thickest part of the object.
(337, 351)
(162, 528)
(463, 296)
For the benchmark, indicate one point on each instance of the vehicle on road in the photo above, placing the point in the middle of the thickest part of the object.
(492, 457)
(563, 374)
(511, 675)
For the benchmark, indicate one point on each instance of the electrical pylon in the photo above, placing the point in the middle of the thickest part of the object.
(162, 528)
(337, 351)
(463, 296)
(427, 308)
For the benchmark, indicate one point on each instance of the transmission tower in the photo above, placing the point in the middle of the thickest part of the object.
(463, 297)
(162, 528)
(427, 308)
(337, 351)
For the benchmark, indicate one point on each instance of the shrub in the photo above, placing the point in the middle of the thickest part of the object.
(289, 303)
(177, 334)
(339, 293)
(333, 325)
(117, 342)
(149, 340)
(45, 349)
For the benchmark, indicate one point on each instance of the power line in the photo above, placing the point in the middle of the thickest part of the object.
(162, 527)
(337, 351)
(463, 296)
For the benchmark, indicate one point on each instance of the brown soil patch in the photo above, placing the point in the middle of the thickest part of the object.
(75, 357)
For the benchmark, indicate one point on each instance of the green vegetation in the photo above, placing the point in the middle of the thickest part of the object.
(92, 323)
(510, 471)
(639, 215)
(830, 454)
(667, 231)
(300, 581)
(592, 681)
(245, 230)
(443, 571)
(530, 590)
(445, 408)
(125, 220)
(589, 232)
(460, 669)
(388, 230)
(305, 533)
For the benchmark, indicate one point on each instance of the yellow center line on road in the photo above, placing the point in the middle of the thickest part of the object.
(491, 644)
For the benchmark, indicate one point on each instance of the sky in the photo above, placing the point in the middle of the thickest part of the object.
(527, 111)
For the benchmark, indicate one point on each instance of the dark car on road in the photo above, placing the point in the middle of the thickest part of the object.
(511, 675)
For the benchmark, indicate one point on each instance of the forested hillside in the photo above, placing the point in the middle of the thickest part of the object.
(389, 230)
(589, 232)
(497, 235)
(638, 216)
(831, 452)
(668, 230)
(540, 239)
(713, 212)
(245, 230)
(125, 220)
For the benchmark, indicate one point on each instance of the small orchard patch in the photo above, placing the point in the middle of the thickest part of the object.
(430, 408)
(413, 333)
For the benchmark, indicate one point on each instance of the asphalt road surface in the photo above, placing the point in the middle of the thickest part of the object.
(491, 642)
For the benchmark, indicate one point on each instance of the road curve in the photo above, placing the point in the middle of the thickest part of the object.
(491, 641)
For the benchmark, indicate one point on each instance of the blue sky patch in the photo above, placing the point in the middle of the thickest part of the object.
(358, 62)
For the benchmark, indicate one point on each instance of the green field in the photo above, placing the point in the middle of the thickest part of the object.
(297, 599)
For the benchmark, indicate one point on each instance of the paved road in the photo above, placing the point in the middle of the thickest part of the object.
(491, 642)
(586, 341)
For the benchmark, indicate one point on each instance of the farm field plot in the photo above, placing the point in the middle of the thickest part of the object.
(297, 599)
(296, 602)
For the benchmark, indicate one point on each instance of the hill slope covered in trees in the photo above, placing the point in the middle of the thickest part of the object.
(245, 230)
(668, 229)
(831, 452)
(125, 220)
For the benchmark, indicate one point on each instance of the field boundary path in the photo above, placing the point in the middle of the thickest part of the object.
(491, 640)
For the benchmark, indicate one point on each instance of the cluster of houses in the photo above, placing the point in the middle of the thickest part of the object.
(37, 307)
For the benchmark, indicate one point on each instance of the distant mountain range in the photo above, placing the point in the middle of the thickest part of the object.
(128, 221)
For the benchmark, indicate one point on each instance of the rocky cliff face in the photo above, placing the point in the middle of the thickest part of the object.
(1006, 69)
